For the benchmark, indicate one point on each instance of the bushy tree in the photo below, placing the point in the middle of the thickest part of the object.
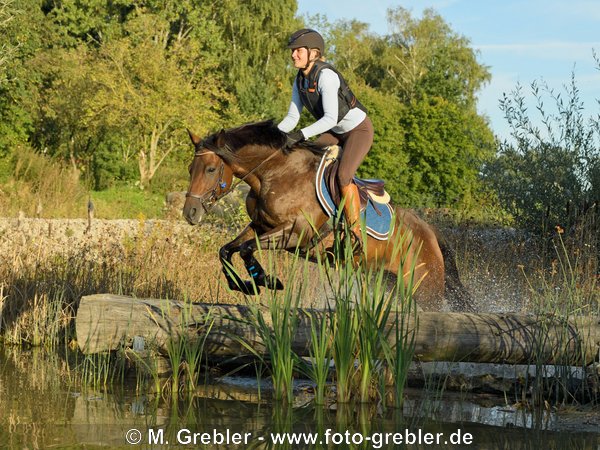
(446, 146)
(23, 36)
(256, 59)
(90, 22)
(64, 89)
(145, 84)
(6, 16)
(545, 174)
(425, 57)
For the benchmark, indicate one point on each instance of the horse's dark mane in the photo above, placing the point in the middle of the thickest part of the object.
(228, 142)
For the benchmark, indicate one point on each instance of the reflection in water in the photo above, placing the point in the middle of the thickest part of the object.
(39, 410)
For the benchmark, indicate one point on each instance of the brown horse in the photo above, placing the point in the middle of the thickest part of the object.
(285, 212)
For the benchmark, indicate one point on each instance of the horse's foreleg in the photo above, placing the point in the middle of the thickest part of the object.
(234, 281)
(278, 238)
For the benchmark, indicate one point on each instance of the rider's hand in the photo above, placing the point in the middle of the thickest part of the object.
(293, 138)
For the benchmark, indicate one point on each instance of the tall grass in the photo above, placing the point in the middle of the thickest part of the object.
(40, 185)
(404, 308)
(2, 298)
(185, 350)
(319, 366)
(276, 327)
(369, 326)
(564, 291)
(344, 321)
(44, 278)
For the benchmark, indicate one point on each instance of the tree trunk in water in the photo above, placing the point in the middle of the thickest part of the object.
(107, 322)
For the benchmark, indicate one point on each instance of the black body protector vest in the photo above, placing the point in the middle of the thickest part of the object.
(311, 99)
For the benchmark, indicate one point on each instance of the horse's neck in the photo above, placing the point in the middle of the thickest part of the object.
(250, 168)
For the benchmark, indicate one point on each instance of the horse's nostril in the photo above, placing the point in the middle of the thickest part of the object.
(193, 212)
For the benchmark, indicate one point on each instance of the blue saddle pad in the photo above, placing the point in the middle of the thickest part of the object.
(378, 221)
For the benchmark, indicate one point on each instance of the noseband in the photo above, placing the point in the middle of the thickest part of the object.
(209, 198)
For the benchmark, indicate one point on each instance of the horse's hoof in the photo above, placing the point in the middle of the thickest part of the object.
(250, 288)
(270, 282)
(274, 283)
(245, 287)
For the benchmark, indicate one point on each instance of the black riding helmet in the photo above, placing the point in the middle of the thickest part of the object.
(307, 38)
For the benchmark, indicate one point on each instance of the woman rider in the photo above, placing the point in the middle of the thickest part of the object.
(340, 117)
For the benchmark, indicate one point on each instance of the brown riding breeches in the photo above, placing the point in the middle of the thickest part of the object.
(356, 144)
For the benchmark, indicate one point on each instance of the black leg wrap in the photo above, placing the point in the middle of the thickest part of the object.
(234, 281)
(258, 274)
(237, 284)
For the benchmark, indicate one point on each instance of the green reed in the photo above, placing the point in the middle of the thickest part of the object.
(184, 349)
(276, 325)
(318, 368)
(362, 302)
(100, 370)
(344, 323)
(404, 308)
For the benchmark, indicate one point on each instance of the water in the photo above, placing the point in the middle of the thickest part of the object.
(43, 407)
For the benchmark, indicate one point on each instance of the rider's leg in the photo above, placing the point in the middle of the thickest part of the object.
(327, 139)
(351, 201)
(357, 144)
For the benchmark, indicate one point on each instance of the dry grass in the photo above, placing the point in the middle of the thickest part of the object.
(40, 184)
(50, 264)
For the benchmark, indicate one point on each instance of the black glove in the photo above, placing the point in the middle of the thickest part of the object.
(293, 138)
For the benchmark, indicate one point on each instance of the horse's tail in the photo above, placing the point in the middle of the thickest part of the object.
(456, 294)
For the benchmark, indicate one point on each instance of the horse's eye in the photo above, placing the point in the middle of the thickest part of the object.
(211, 169)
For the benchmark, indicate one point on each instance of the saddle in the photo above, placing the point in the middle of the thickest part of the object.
(368, 189)
(375, 202)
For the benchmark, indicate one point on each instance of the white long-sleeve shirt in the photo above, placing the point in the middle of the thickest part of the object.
(328, 86)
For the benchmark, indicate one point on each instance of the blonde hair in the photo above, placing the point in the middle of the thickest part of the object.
(319, 56)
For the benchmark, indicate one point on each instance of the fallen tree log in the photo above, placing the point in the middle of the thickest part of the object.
(108, 322)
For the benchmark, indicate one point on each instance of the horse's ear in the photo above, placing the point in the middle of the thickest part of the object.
(195, 139)
(220, 140)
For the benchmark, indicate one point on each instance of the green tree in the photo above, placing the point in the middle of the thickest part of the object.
(354, 51)
(387, 159)
(544, 173)
(419, 85)
(447, 146)
(90, 22)
(22, 38)
(6, 15)
(153, 85)
(425, 57)
(61, 125)
(256, 59)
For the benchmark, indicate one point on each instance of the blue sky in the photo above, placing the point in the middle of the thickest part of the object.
(520, 40)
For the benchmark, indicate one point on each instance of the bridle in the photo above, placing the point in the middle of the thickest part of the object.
(217, 192)
(209, 198)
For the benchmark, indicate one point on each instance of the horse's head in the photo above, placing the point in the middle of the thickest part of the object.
(210, 179)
